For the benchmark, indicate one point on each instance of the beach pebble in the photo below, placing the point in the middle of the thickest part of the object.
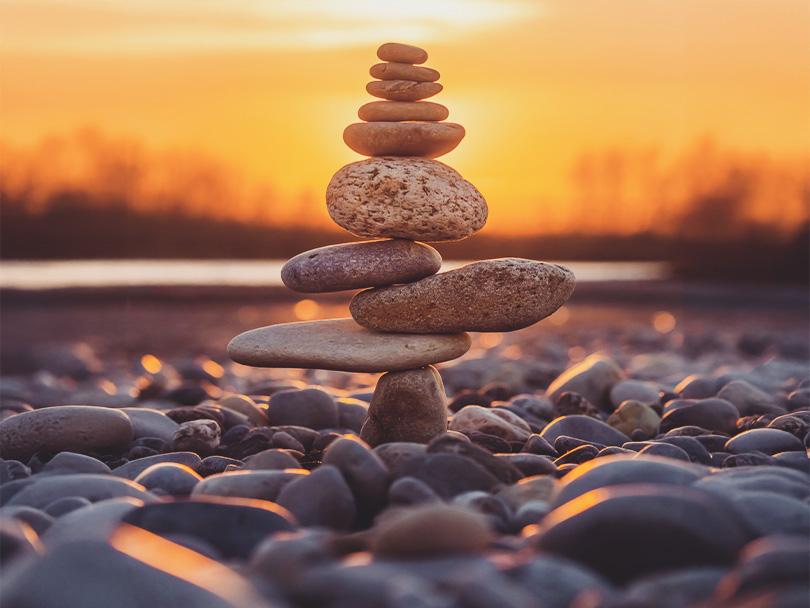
(768, 513)
(396, 453)
(262, 485)
(322, 498)
(234, 526)
(407, 406)
(270, 460)
(352, 413)
(690, 528)
(311, 408)
(749, 399)
(401, 53)
(169, 479)
(423, 139)
(537, 445)
(632, 415)
(538, 488)
(407, 491)
(460, 300)
(430, 531)
(94, 488)
(625, 470)
(713, 414)
(449, 474)
(556, 581)
(342, 345)
(665, 450)
(67, 428)
(63, 506)
(686, 587)
(767, 441)
(574, 404)
(147, 422)
(38, 520)
(134, 468)
(362, 469)
(245, 406)
(584, 428)
(394, 111)
(402, 90)
(593, 378)
(791, 424)
(698, 386)
(635, 390)
(502, 469)
(284, 558)
(67, 463)
(410, 198)
(198, 436)
(499, 422)
(403, 71)
(360, 265)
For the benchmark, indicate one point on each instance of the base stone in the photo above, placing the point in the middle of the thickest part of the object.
(408, 406)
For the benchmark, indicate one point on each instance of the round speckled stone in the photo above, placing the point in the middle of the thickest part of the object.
(411, 198)
(492, 295)
(360, 265)
(426, 139)
(342, 345)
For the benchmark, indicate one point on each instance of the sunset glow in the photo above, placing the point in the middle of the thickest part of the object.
(262, 90)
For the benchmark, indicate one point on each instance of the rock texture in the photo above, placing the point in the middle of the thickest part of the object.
(411, 198)
(462, 299)
(425, 139)
(392, 111)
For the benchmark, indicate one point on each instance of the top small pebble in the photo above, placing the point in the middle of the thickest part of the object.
(401, 53)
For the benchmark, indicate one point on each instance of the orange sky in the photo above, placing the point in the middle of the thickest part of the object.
(268, 86)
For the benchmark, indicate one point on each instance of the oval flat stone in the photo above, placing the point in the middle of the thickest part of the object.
(342, 345)
(393, 111)
(91, 486)
(360, 265)
(403, 53)
(66, 428)
(492, 295)
(403, 90)
(425, 139)
(407, 406)
(403, 71)
(410, 198)
(584, 428)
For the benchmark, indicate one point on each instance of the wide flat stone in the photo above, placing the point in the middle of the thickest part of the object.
(360, 265)
(410, 198)
(493, 295)
(406, 406)
(403, 71)
(403, 53)
(342, 345)
(393, 111)
(403, 90)
(425, 139)
(83, 429)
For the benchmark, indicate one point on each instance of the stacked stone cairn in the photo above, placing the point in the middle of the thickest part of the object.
(407, 317)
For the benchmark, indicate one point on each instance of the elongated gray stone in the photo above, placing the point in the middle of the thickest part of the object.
(66, 428)
(406, 406)
(342, 345)
(493, 295)
(410, 198)
(360, 265)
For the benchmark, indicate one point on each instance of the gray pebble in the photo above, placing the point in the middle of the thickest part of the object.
(66, 504)
(322, 498)
(66, 463)
(407, 491)
(134, 468)
(584, 428)
(768, 441)
(169, 479)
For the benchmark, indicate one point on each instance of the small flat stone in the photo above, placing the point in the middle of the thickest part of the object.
(407, 406)
(311, 408)
(499, 422)
(360, 265)
(593, 378)
(394, 111)
(402, 90)
(493, 295)
(134, 468)
(322, 498)
(767, 441)
(66, 428)
(425, 139)
(410, 198)
(633, 415)
(263, 485)
(403, 71)
(90, 486)
(712, 414)
(363, 470)
(403, 53)
(244, 405)
(342, 345)
(148, 422)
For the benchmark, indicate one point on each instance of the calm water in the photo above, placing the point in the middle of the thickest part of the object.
(119, 273)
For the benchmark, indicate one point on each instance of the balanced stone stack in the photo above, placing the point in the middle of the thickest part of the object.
(407, 317)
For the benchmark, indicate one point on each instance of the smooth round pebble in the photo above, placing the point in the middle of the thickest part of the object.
(169, 479)
(403, 71)
(499, 422)
(403, 90)
(394, 111)
(423, 139)
(767, 441)
(584, 428)
(593, 378)
(311, 408)
(632, 415)
(198, 436)
(402, 53)
(322, 498)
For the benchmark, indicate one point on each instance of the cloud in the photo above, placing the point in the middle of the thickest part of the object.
(115, 26)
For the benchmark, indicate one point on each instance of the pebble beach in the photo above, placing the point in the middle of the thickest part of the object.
(642, 447)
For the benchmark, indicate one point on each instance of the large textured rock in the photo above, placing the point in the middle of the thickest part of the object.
(360, 265)
(493, 295)
(411, 198)
(83, 429)
(425, 139)
(406, 406)
(342, 345)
